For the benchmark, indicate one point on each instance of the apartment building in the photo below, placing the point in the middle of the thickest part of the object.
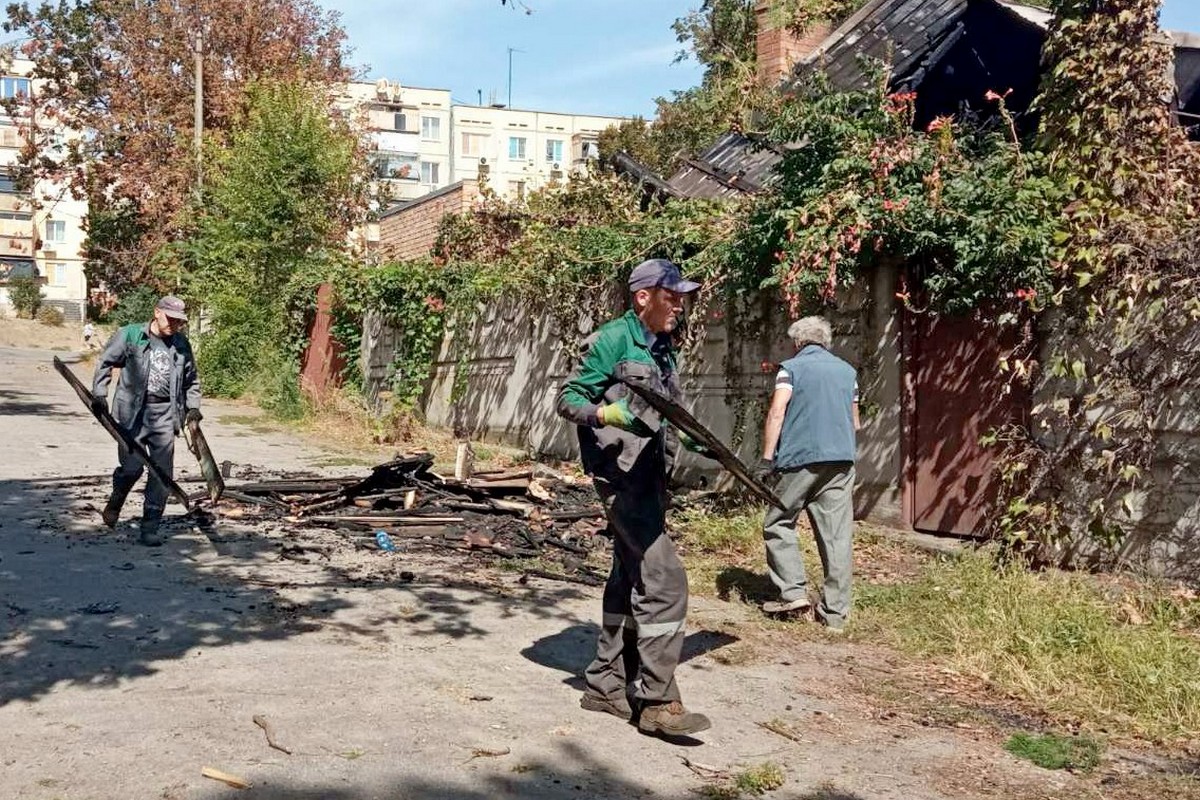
(409, 128)
(41, 231)
(517, 151)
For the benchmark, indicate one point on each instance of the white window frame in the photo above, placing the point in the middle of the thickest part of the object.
(479, 147)
(429, 124)
(14, 86)
(430, 173)
(59, 225)
(519, 144)
(57, 269)
(554, 151)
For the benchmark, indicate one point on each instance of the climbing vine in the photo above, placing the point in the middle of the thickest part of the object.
(1120, 329)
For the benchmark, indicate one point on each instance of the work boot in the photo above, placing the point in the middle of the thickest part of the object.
(671, 719)
(110, 514)
(617, 706)
(112, 509)
(150, 535)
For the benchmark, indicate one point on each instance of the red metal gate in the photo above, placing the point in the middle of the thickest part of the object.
(957, 393)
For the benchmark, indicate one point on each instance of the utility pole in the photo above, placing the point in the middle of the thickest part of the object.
(198, 104)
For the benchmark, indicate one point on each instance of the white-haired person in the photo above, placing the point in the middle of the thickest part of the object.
(809, 442)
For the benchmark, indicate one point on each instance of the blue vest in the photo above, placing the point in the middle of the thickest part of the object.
(819, 424)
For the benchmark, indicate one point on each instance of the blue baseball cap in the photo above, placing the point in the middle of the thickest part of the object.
(659, 272)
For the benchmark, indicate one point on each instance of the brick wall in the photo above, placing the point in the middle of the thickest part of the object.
(410, 231)
(778, 50)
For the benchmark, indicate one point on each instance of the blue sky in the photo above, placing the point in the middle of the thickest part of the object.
(583, 56)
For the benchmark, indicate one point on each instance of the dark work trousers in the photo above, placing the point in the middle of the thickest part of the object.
(645, 599)
(154, 429)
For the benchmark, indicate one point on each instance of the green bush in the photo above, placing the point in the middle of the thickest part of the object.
(25, 294)
(135, 306)
(50, 315)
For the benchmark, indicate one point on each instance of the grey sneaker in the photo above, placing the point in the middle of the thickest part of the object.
(671, 719)
(786, 606)
(618, 707)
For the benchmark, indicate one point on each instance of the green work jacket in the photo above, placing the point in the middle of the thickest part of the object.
(129, 349)
(619, 350)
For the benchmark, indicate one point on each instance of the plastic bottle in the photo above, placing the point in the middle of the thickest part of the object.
(384, 541)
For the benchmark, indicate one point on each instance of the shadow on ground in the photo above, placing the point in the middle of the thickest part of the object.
(753, 587)
(14, 402)
(85, 606)
(573, 772)
(571, 650)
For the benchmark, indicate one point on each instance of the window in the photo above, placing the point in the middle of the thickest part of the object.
(429, 173)
(56, 231)
(7, 184)
(57, 274)
(474, 144)
(400, 123)
(15, 223)
(516, 190)
(431, 129)
(14, 87)
(516, 148)
(396, 166)
(9, 135)
(554, 151)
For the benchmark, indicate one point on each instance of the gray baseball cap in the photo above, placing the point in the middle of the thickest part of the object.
(173, 307)
(659, 272)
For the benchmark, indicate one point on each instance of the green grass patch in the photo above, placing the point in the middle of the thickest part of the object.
(760, 779)
(753, 781)
(1052, 751)
(1053, 639)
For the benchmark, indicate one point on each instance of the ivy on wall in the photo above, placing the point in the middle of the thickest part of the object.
(1121, 326)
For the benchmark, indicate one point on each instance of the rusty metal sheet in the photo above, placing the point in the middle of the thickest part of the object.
(208, 465)
(109, 424)
(678, 416)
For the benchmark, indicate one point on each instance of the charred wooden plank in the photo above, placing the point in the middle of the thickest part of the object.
(678, 416)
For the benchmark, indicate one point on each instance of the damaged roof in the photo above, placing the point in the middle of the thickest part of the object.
(902, 32)
(735, 165)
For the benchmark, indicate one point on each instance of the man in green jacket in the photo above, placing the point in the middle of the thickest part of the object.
(628, 450)
(158, 392)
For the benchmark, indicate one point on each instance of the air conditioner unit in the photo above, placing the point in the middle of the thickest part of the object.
(483, 161)
(484, 169)
(381, 88)
(556, 166)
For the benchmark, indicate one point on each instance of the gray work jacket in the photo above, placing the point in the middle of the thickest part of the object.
(129, 349)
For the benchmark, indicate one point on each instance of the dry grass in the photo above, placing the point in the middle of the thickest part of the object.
(1115, 656)
(1053, 639)
(343, 424)
(31, 334)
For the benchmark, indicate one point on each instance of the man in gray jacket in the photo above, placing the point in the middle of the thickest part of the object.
(158, 392)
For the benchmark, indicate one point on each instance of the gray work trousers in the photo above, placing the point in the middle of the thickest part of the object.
(826, 493)
(645, 599)
(154, 429)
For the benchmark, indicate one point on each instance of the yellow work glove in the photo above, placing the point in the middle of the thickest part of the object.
(619, 415)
